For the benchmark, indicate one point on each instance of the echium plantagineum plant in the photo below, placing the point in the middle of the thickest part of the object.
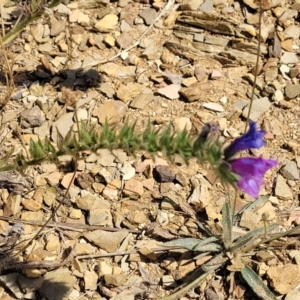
(245, 173)
(249, 171)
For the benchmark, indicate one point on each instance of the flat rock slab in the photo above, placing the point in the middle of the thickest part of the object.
(112, 69)
(259, 106)
(110, 111)
(282, 190)
(141, 101)
(128, 92)
(284, 278)
(289, 58)
(170, 91)
(290, 171)
(109, 241)
(57, 285)
(213, 106)
(63, 125)
(292, 91)
(10, 282)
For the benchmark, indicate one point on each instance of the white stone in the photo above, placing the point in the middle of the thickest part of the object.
(214, 106)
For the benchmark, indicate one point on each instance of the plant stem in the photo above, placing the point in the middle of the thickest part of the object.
(11, 35)
(256, 65)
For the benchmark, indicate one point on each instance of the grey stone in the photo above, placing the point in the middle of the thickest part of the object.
(288, 15)
(207, 6)
(125, 27)
(290, 171)
(294, 72)
(289, 58)
(235, 57)
(57, 285)
(241, 104)
(38, 32)
(213, 40)
(213, 106)
(100, 216)
(199, 37)
(56, 27)
(88, 201)
(293, 31)
(63, 125)
(109, 241)
(106, 89)
(172, 77)
(105, 157)
(292, 91)
(141, 101)
(271, 74)
(62, 9)
(259, 106)
(30, 284)
(124, 40)
(33, 117)
(282, 190)
(150, 52)
(9, 281)
(148, 15)
(46, 48)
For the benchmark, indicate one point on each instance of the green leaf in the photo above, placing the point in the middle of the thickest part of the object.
(197, 278)
(212, 247)
(207, 245)
(256, 284)
(251, 236)
(201, 255)
(257, 203)
(215, 263)
(188, 243)
(227, 225)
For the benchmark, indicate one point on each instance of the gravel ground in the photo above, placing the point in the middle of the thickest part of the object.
(183, 63)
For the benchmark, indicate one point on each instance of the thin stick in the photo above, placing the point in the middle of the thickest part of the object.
(95, 62)
(256, 65)
(69, 226)
(163, 249)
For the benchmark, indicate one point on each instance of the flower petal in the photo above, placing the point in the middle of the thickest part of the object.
(253, 138)
(251, 171)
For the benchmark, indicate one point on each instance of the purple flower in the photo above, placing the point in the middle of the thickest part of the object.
(251, 139)
(251, 171)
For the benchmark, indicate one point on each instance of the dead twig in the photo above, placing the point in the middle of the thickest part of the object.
(7, 265)
(68, 226)
(137, 42)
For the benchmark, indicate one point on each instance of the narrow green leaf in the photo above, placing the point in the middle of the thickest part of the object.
(188, 243)
(201, 255)
(227, 225)
(256, 284)
(206, 241)
(251, 236)
(195, 280)
(215, 263)
(211, 247)
(257, 203)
